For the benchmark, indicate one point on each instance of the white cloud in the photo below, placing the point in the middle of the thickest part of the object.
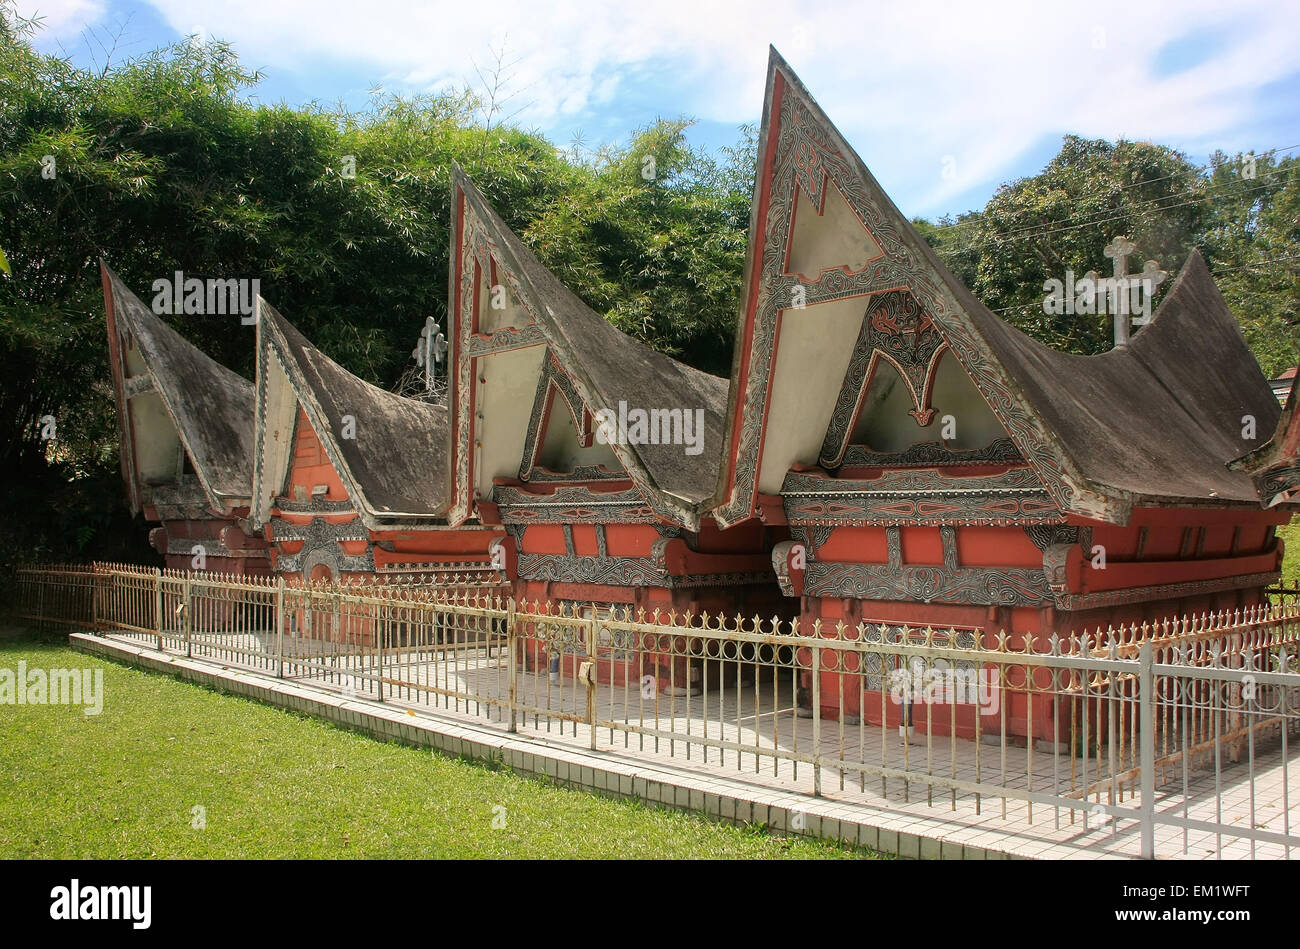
(906, 83)
(63, 19)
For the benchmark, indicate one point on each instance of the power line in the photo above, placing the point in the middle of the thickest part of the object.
(1209, 192)
(1137, 184)
(1002, 239)
(1221, 270)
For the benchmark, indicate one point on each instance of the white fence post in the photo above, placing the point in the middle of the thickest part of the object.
(513, 673)
(1147, 742)
(279, 627)
(817, 718)
(158, 607)
(186, 610)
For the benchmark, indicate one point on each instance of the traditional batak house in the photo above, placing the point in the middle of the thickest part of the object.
(934, 465)
(185, 425)
(349, 480)
(597, 454)
(896, 451)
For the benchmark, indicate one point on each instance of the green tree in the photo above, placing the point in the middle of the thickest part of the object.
(653, 236)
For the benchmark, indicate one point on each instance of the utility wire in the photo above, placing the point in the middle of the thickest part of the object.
(1136, 184)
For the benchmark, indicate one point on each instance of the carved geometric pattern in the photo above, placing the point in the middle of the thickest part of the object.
(321, 545)
(622, 572)
(896, 329)
(1046, 535)
(1164, 591)
(505, 339)
(918, 497)
(1001, 451)
(986, 586)
(575, 504)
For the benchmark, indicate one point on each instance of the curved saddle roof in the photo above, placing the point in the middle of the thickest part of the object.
(609, 366)
(395, 466)
(211, 406)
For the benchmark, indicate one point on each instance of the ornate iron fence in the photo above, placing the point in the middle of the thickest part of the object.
(1165, 738)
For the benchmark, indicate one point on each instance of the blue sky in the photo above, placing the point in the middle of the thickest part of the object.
(985, 91)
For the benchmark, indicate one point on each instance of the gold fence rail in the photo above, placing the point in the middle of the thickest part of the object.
(1112, 731)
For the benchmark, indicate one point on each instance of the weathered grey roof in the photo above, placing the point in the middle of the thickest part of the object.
(1158, 419)
(395, 467)
(211, 406)
(614, 367)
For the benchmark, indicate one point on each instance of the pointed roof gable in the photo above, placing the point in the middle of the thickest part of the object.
(393, 469)
(210, 406)
(608, 367)
(1151, 423)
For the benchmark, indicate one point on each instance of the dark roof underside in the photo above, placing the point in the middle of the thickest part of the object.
(398, 458)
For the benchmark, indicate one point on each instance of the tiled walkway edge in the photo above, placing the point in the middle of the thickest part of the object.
(716, 797)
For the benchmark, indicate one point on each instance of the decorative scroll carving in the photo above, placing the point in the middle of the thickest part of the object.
(893, 540)
(1277, 484)
(1001, 451)
(321, 546)
(317, 506)
(989, 586)
(1164, 591)
(184, 546)
(609, 571)
(813, 536)
(948, 537)
(896, 329)
(1047, 535)
(623, 571)
(572, 505)
(505, 339)
(918, 497)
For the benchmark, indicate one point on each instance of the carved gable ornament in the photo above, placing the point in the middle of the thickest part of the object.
(897, 329)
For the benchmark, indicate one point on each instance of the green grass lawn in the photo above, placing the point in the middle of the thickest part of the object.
(1290, 534)
(124, 784)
